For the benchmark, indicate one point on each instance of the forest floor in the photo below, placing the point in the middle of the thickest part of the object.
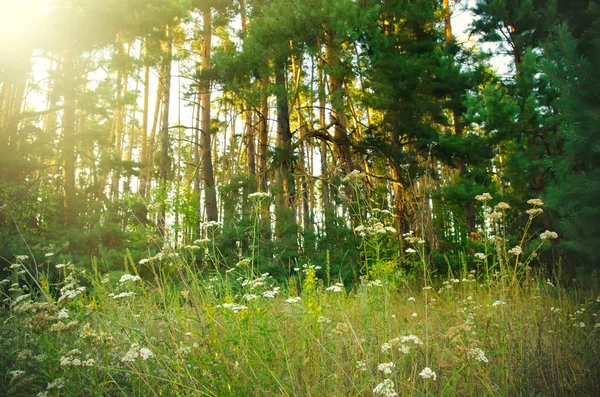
(241, 334)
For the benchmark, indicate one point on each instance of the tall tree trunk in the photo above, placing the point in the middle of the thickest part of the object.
(210, 194)
(164, 132)
(249, 132)
(341, 142)
(146, 179)
(285, 135)
(118, 129)
(68, 140)
(143, 189)
(132, 130)
(198, 163)
(263, 137)
(325, 192)
(286, 226)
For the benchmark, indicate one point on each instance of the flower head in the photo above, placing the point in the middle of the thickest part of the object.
(516, 250)
(129, 277)
(535, 202)
(534, 211)
(361, 365)
(478, 355)
(548, 235)
(258, 196)
(494, 215)
(483, 197)
(502, 206)
(427, 373)
(386, 368)
(385, 388)
(354, 176)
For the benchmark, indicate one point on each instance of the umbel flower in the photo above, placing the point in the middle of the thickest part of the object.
(385, 388)
(548, 235)
(427, 373)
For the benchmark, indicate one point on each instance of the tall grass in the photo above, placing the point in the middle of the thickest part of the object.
(238, 333)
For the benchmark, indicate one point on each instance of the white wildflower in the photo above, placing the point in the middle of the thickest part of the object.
(411, 338)
(57, 383)
(478, 355)
(293, 300)
(411, 299)
(502, 206)
(129, 277)
(123, 295)
(16, 373)
(404, 349)
(385, 388)
(375, 283)
(515, 251)
(234, 307)
(483, 197)
(354, 176)
(385, 347)
(494, 215)
(62, 314)
(146, 353)
(480, 256)
(427, 373)
(334, 288)
(323, 320)
(410, 251)
(361, 365)
(498, 303)
(535, 202)
(271, 294)
(548, 235)
(532, 212)
(386, 368)
(258, 196)
(49, 254)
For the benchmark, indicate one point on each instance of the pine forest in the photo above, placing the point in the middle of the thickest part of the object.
(299, 197)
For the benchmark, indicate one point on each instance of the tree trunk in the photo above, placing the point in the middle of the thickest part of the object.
(144, 152)
(263, 137)
(210, 194)
(341, 142)
(285, 135)
(68, 140)
(164, 133)
(325, 192)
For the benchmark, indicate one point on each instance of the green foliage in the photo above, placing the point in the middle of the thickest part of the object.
(575, 189)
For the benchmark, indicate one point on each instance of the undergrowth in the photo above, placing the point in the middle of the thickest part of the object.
(506, 329)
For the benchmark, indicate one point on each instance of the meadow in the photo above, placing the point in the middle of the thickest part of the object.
(503, 329)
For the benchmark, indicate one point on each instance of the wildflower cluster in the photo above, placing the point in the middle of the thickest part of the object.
(135, 352)
(385, 388)
(72, 359)
(373, 228)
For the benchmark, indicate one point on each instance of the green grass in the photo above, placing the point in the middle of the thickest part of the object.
(310, 348)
